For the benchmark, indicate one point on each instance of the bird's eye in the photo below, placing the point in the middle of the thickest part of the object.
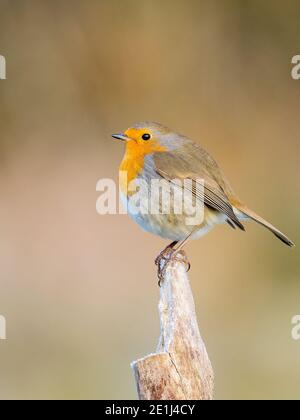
(146, 136)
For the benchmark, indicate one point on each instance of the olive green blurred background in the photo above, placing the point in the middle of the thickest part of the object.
(79, 290)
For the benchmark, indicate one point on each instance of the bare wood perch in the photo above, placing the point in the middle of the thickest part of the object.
(180, 369)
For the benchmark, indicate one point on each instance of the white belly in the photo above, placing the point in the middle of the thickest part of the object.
(172, 226)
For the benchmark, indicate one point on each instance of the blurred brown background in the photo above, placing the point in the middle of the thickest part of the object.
(79, 290)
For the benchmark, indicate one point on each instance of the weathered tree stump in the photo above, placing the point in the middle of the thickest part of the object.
(180, 369)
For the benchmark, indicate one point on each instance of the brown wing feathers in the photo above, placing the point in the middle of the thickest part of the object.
(212, 198)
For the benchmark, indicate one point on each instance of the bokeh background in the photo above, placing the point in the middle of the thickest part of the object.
(79, 290)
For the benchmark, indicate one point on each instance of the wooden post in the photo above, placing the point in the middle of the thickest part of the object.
(180, 369)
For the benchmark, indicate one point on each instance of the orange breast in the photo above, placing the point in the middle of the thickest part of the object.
(133, 162)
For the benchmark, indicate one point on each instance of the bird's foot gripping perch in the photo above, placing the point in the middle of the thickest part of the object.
(165, 259)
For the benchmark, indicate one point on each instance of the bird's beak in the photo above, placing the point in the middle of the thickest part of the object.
(122, 137)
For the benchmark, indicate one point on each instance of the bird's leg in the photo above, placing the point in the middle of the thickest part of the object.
(170, 254)
(162, 260)
(178, 251)
(165, 253)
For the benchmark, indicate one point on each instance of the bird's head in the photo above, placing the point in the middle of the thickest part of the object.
(146, 138)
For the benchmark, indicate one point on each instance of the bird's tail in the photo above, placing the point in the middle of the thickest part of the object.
(245, 212)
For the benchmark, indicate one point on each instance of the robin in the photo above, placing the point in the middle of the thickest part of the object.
(154, 152)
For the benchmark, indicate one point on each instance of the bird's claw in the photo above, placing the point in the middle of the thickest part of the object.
(165, 259)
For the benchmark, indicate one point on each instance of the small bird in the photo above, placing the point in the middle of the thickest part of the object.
(154, 152)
